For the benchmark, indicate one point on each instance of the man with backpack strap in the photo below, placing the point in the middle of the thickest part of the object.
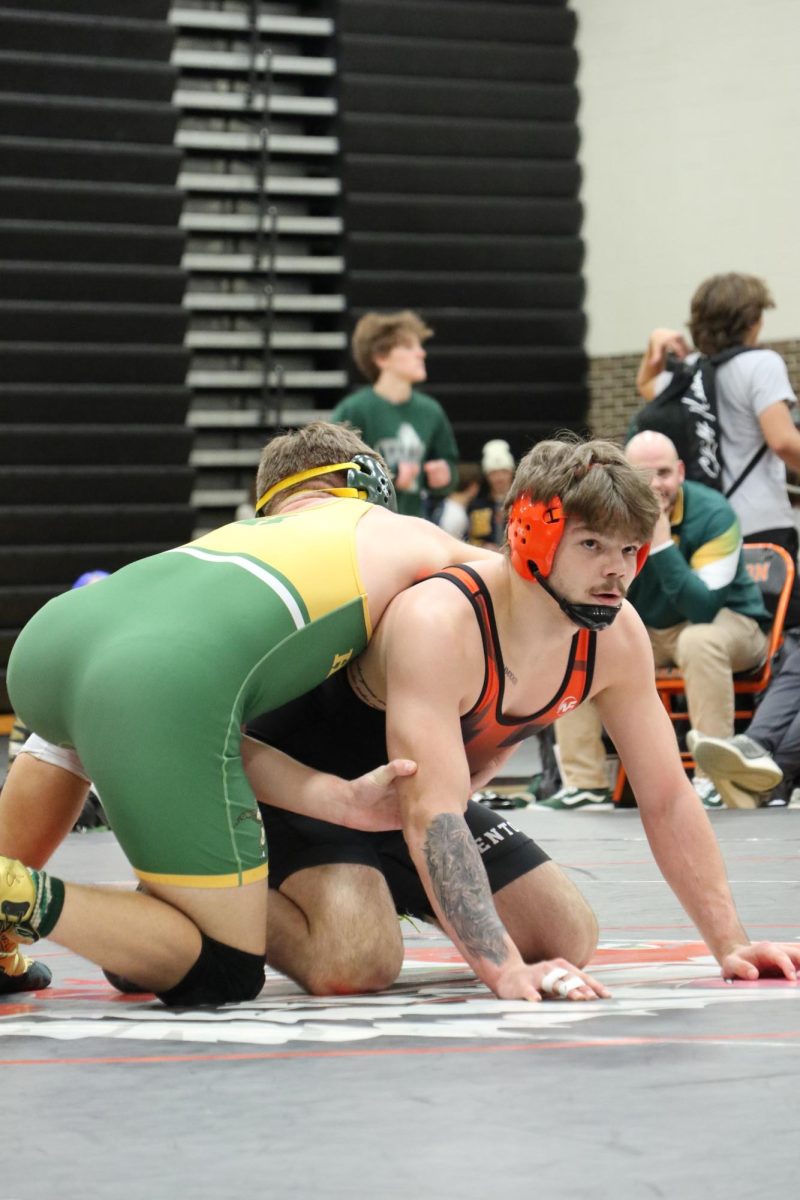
(757, 438)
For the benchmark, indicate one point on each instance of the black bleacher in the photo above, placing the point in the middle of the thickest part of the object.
(93, 402)
(460, 199)
(460, 184)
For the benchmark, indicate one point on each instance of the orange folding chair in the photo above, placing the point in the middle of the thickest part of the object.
(771, 567)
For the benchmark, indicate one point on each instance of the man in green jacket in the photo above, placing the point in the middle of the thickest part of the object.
(409, 428)
(703, 612)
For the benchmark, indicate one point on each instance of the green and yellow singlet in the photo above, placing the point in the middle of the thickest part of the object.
(151, 674)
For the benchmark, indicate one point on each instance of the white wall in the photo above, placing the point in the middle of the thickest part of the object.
(690, 124)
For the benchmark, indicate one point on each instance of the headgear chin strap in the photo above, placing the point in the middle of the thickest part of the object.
(535, 529)
(365, 480)
(590, 616)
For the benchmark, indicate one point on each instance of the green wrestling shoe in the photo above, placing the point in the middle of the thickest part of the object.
(19, 900)
(18, 973)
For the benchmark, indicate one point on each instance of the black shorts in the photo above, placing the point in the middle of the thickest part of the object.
(296, 842)
(330, 729)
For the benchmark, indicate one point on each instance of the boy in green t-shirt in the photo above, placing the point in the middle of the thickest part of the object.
(409, 428)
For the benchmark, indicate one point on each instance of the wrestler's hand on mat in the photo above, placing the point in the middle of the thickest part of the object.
(553, 977)
(374, 804)
(757, 960)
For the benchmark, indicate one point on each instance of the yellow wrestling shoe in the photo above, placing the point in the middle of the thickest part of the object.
(19, 900)
(18, 973)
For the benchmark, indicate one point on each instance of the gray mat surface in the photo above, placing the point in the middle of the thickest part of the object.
(680, 1085)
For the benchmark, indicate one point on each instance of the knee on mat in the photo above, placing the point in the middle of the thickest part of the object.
(365, 967)
(573, 935)
(221, 975)
(356, 944)
(578, 942)
(583, 938)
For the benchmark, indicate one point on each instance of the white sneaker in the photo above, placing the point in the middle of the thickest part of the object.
(739, 759)
(707, 792)
(733, 796)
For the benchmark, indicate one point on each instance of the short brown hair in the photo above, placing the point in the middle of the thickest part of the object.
(724, 307)
(469, 473)
(594, 481)
(319, 444)
(377, 334)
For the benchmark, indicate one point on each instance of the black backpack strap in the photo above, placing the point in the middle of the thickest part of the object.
(723, 356)
(759, 454)
(710, 366)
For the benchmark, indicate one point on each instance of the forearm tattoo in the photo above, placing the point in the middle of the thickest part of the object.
(462, 888)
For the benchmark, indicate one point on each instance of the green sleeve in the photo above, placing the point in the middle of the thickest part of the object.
(443, 445)
(689, 595)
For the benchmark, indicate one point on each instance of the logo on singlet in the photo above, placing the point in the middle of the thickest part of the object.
(339, 661)
(566, 705)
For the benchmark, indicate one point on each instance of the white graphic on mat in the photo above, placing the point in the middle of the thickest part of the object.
(424, 1005)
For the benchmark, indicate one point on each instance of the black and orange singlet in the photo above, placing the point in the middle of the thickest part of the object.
(486, 727)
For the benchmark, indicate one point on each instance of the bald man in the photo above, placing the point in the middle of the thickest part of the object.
(702, 611)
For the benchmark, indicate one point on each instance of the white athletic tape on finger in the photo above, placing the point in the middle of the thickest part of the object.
(565, 986)
(550, 979)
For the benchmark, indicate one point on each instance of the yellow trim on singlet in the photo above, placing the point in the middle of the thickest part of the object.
(234, 879)
(312, 548)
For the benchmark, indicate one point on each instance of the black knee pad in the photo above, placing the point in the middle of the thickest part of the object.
(127, 986)
(221, 975)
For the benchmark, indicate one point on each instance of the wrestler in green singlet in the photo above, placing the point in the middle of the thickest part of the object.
(151, 673)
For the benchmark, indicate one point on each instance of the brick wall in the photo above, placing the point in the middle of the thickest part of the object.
(612, 388)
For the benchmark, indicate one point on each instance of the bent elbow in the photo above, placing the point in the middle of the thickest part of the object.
(786, 444)
(789, 452)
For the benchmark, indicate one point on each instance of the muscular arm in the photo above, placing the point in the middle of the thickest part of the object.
(368, 803)
(396, 551)
(459, 883)
(429, 548)
(677, 827)
(429, 677)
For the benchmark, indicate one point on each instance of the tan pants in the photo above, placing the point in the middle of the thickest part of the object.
(707, 655)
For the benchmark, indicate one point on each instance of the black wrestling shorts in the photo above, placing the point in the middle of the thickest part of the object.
(295, 843)
(330, 729)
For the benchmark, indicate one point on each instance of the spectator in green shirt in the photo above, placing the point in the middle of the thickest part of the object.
(409, 428)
